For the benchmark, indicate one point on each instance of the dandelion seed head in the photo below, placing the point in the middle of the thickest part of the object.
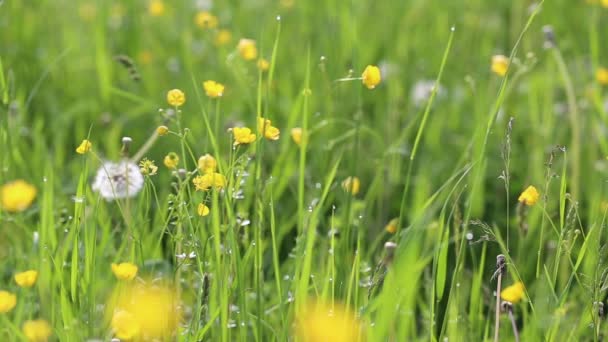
(118, 180)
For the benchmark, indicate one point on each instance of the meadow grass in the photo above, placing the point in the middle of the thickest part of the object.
(291, 248)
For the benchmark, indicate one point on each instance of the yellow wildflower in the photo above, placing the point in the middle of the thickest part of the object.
(266, 128)
(37, 330)
(147, 167)
(513, 293)
(208, 180)
(85, 146)
(124, 325)
(7, 301)
(162, 130)
(500, 65)
(17, 195)
(296, 135)
(371, 76)
(207, 164)
(605, 3)
(392, 225)
(263, 64)
(530, 196)
(352, 185)
(176, 97)
(145, 57)
(243, 135)
(222, 37)
(171, 160)
(213, 89)
(124, 270)
(202, 210)
(156, 8)
(247, 49)
(601, 75)
(145, 312)
(87, 11)
(326, 322)
(205, 20)
(27, 278)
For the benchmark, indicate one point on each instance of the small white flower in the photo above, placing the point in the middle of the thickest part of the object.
(118, 180)
(421, 92)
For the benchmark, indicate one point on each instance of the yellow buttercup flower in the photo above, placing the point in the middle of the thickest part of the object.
(124, 270)
(147, 167)
(171, 160)
(37, 330)
(392, 225)
(84, 147)
(243, 135)
(207, 164)
(7, 301)
(513, 293)
(263, 64)
(145, 312)
(605, 3)
(17, 195)
(124, 325)
(320, 322)
(156, 8)
(500, 65)
(371, 76)
(205, 20)
(530, 196)
(162, 130)
(202, 210)
(247, 49)
(601, 75)
(213, 89)
(176, 97)
(266, 128)
(27, 278)
(208, 180)
(296, 135)
(222, 37)
(351, 185)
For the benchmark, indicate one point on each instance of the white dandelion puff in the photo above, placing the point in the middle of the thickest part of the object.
(118, 180)
(421, 92)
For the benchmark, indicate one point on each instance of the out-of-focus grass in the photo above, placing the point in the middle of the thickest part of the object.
(284, 231)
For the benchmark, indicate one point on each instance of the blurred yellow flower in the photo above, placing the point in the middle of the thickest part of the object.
(17, 195)
(156, 8)
(124, 270)
(171, 160)
(605, 3)
(87, 11)
(222, 37)
(513, 293)
(124, 325)
(324, 322)
(213, 89)
(205, 20)
(208, 180)
(202, 210)
(85, 146)
(145, 312)
(247, 49)
(145, 57)
(147, 167)
(243, 135)
(530, 196)
(500, 65)
(351, 185)
(27, 278)
(176, 97)
(37, 330)
(392, 225)
(263, 64)
(266, 128)
(601, 75)
(296, 135)
(7, 301)
(207, 164)
(371, 76)
(162, 130)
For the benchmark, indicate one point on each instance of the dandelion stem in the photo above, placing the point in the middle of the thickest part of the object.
(500, 269)
(513, 323)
